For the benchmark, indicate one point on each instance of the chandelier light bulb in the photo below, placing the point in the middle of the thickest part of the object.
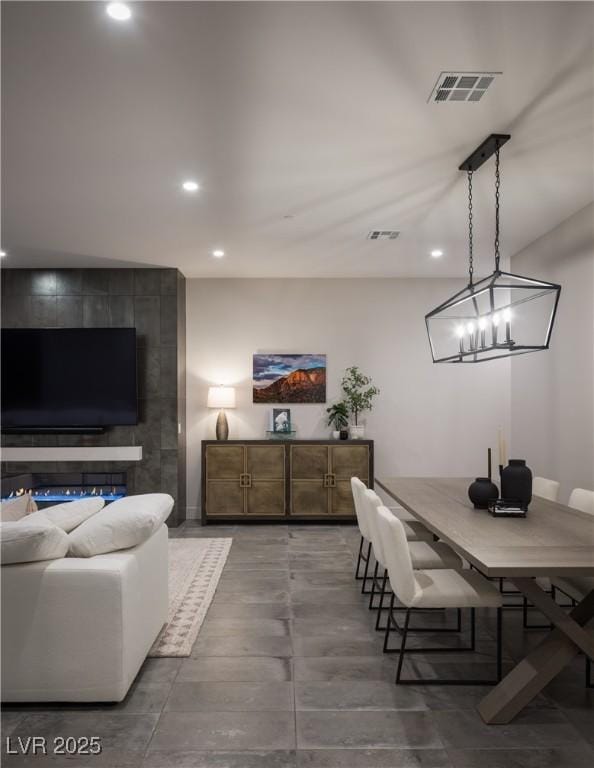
(482, 323)
(507, 315)
(470, 327)
(460, 331)
(118, 11)
(496, 319)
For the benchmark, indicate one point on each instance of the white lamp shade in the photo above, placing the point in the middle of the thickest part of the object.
(221, 397)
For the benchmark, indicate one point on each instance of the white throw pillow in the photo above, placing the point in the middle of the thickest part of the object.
(70, 514)
(24, 542)
(15, 509)
(124, 523)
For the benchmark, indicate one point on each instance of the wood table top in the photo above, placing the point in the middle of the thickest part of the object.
(552, 539)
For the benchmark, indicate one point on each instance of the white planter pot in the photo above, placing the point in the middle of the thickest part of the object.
(336, 434)
(357, 432)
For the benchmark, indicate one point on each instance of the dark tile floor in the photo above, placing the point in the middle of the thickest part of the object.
(288, 672)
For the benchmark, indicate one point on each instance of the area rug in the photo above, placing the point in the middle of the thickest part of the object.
(195, 567)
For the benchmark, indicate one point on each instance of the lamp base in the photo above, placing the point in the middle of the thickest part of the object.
(222, 426)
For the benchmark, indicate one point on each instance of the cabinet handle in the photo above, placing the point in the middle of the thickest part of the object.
(329, 480)
(245, 480)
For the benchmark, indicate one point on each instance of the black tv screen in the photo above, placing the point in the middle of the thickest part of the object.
(68, 377)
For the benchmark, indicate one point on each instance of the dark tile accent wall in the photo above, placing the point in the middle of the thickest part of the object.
(152, 301)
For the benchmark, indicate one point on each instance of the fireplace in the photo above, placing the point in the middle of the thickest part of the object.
(55, 488)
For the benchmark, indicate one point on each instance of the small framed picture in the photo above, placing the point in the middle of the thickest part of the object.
(281, 419)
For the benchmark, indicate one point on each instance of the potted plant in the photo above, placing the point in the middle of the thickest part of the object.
(358, 397)
(338, 417)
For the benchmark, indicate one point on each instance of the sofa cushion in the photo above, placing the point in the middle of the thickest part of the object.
(70, 514)
(25, 542)
(15, 509)
(124, 523)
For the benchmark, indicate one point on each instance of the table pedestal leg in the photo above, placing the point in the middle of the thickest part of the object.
(529, 676)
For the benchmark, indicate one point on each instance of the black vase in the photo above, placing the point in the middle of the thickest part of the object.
(516, 482)
(481, 492)
(344, 434)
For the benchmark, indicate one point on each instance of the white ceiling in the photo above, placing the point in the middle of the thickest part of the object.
(317, 111)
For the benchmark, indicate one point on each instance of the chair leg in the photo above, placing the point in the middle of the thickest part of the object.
(503, 591)
(389, 624)
(359, 558)
(499, 643)
(441, 681)
(373, 585)
(525, 623)
(381, 602)
(402, 647)
(367, 558)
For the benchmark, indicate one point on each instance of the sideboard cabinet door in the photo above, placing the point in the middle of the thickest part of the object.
(225, 496)
(265, 470)
(347, 461)
(310, 493)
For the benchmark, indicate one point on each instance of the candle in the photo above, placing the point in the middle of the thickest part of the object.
(489, 462)
(495, 320)
(500, 446)
(471, 339)
(482, 324)
(460, 334)
(507, 317)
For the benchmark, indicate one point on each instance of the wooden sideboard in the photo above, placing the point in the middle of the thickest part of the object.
(266, 480)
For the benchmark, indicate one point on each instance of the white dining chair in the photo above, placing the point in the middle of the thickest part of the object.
(582, 499)
(358, 488)
(415, 531)
(424, 555)
(546, 489)
(447, 588)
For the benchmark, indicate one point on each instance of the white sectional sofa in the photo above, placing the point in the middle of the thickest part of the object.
(78, 629)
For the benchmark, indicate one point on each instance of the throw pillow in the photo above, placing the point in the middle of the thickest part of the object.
(70, 514)
(124, 523)
(24, 542)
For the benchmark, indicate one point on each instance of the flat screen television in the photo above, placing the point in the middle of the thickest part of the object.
(68, 378)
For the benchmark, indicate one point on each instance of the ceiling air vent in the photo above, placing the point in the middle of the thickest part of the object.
(461, 86)
(382, 234)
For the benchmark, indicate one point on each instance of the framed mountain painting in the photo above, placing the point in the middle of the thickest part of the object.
(289, 378)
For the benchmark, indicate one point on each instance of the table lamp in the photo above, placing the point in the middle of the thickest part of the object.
(221, 397)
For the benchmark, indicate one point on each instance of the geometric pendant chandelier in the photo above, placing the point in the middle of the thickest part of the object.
(500, 315)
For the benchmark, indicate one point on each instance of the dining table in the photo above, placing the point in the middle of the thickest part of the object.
(552, 540)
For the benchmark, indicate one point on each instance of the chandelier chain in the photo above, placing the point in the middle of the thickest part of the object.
(497, 186)
(470, 252)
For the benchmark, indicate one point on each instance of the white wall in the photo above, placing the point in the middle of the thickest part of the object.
(553, 392)
(429, 419)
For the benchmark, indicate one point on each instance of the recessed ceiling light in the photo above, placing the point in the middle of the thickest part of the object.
(2, 254)
(218, 253)
(190, 186)
(118, 11)
(436, 253)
